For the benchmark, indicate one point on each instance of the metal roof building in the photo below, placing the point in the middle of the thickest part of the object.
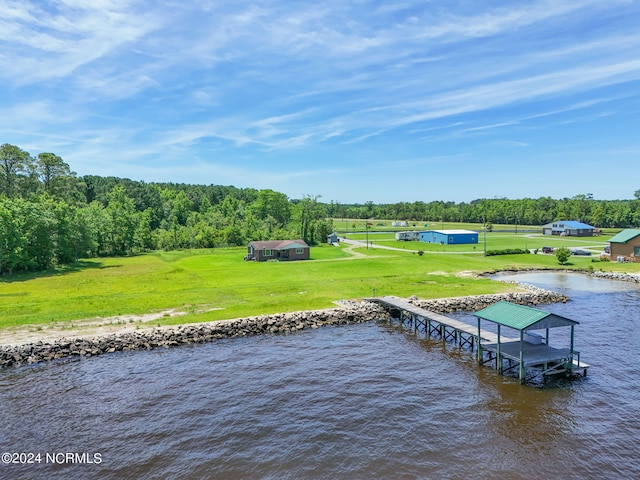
(449, 237)
(626, 245)
(625, 235)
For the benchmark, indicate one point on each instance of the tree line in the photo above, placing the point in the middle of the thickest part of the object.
(525, 211)
(51, 216)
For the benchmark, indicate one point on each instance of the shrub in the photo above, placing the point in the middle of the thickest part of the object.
(507, 251)
(563, 254)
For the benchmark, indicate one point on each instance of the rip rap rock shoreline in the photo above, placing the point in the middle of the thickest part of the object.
(348, 312)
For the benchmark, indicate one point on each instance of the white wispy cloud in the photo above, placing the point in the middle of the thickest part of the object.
(247, 81)
(53, 40)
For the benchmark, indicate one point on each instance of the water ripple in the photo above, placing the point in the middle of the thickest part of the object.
(359, 401)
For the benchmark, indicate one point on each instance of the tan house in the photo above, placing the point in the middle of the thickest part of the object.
(625, 245)
(281, 250)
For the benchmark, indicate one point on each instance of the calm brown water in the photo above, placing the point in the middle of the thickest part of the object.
(362, 401)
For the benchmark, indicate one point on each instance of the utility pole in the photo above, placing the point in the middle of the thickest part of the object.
(484, 227)
(366, 229)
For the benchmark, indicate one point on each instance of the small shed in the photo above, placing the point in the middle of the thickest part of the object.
(569, 228)
(531, 349)
(283, 250)
(626, 244)
(449, 237)
(399, 223)
(332, 239)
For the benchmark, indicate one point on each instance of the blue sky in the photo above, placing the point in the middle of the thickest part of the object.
(352, 100)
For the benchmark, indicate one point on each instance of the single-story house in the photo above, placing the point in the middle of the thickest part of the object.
(569, 228)
(626, 244)
(407, 236)
(449, 237)
(278, 250)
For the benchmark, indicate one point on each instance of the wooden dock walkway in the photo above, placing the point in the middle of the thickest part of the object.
(424, 317)
(496, 348)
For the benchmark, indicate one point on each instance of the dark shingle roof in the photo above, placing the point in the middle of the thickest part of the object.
(279, 244)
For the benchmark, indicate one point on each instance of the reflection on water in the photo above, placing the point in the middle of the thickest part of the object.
(359, 401)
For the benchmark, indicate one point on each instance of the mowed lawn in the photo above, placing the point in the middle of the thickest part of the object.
(494, 241)
(218, 284)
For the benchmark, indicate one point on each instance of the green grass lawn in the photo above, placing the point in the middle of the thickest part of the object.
(218, 284)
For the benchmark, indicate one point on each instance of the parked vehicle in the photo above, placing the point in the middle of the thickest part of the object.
(547, 249)
(579, 251)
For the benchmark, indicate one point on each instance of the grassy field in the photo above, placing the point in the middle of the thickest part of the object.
(347, 225)
(495, 241)
(218, 284)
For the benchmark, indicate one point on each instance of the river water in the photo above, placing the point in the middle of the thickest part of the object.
(360, 401)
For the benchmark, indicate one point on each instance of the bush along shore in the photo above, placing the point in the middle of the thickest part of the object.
(347, 312)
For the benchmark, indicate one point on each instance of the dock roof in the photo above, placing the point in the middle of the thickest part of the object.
(521, 317)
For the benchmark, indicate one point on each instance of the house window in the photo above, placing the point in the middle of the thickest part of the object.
(299, 251)
(636, 251)
(268, 253)
(450, 239)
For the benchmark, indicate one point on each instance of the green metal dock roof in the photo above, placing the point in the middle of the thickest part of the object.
(520, 317)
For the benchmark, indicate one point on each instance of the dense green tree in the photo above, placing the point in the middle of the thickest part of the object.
(41, 231)
(12, 236)
(52, 171)
(84, 232)
(65, 235)
(15, 164)
(310, 220)
(204, 205)
(143, 236)
(122, 222)
(272, 204)
(176, 207)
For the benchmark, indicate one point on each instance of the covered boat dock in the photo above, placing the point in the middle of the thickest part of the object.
(531, 350)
